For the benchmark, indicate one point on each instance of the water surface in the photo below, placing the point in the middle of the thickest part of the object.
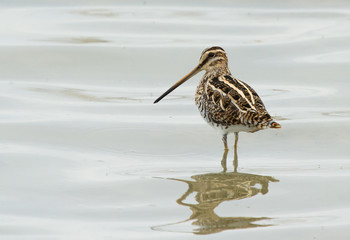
(84, 154)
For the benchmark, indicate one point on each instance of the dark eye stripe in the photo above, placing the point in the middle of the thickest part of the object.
(212, 48)
(205, 61)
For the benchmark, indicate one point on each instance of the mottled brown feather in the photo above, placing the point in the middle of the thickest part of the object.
(225, 106)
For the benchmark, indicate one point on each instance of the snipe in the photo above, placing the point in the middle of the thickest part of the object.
(226, 103)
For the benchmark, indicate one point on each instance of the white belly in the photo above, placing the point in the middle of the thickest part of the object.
(232, 128)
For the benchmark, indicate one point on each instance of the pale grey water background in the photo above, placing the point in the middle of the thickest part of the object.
(84, 154)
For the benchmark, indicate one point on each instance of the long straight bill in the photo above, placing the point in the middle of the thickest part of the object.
(181, 81)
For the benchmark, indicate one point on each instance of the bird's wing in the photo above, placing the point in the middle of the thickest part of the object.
(237, 98)
(227, 90)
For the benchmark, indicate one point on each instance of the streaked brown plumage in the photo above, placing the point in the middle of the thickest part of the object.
(225, 102)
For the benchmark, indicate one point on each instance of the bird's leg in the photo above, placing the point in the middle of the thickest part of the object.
(235, 160)
(224, 156)
(224, 139)
(223, 161)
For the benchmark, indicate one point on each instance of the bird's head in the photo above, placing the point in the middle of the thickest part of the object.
(212, 59)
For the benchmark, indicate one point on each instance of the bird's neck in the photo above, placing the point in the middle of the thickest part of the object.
(218, 71)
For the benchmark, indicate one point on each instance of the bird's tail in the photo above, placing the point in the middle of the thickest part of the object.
(274, 124)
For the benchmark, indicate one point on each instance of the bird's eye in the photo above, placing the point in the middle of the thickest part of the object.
(211, 54)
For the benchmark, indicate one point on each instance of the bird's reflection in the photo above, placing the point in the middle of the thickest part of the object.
(211, 189)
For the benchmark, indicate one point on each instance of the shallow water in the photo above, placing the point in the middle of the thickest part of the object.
(84, 154)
